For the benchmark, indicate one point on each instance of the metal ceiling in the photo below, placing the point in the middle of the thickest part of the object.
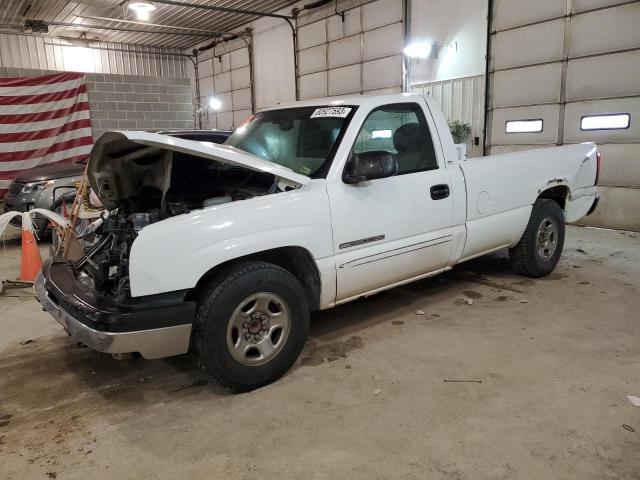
(13, 14)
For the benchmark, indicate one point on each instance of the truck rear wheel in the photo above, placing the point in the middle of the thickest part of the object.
(539, 249)
(251, 325)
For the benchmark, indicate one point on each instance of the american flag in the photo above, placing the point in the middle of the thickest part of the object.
(43, 120)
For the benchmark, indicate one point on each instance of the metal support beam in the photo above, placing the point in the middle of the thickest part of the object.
(147, 24)
(84, 26)
(224, 9)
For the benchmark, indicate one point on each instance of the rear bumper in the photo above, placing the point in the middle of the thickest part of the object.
(156, 326)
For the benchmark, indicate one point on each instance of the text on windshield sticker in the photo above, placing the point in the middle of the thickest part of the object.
(323, 112)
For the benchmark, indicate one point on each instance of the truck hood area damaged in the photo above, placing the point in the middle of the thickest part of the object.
(124, 162)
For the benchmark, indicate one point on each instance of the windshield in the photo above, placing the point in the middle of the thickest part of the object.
(302, 139)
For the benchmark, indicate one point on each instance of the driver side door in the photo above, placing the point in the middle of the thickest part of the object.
(392, 229)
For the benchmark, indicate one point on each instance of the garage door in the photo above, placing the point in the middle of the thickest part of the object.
(226, 77)
(360, 54)
(566, 71)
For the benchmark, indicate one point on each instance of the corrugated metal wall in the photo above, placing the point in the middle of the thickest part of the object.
(460, 99)
(48, 53)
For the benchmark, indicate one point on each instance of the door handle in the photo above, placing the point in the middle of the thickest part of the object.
(439, 192)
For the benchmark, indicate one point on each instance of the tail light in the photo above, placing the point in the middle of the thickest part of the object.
(598, 162)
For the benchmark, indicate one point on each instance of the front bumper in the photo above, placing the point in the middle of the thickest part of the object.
(156, 326)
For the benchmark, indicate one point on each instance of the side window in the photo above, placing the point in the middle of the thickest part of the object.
(402, 130)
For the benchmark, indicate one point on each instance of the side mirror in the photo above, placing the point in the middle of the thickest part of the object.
(370, 166)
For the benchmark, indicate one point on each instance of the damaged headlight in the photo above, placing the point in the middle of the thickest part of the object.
(33, 187)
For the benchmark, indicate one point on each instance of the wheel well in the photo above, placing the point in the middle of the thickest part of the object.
(558, 193)
(296, 260)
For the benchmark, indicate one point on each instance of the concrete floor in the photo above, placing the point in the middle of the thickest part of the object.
(554, 360)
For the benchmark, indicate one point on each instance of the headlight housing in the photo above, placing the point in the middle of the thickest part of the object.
(33, 187)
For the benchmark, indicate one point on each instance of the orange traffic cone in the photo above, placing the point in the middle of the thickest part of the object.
(31, 261)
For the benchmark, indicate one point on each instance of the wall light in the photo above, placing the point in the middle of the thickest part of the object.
(143, 9)
(418, 50)
(215, 103)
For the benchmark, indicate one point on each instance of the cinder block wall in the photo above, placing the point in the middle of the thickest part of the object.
(130, 102)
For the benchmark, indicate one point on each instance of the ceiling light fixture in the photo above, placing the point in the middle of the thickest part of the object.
(143, 9)
(215, 103)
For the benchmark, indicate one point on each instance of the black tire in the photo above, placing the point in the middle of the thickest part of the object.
(526, 257)
(216, 313)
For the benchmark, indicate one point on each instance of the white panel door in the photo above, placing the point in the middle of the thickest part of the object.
(362, 54)
(574, 65)
(225, 77)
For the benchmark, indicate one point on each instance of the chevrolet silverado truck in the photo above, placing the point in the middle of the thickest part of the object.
(226, 249)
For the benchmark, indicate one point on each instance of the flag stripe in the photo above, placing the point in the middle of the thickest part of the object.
(36, 89)
(37, 126)
(44, 133)
(22, 146)
(42, 97)
(42, 80)
(43, 151)
(50, 158)
(43, 121)
(44, 106)
(41, 116)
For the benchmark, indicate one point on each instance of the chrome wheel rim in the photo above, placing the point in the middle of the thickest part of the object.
(547, 238)
(258, 329)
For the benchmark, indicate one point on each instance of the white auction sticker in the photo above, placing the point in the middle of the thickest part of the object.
(323, 112)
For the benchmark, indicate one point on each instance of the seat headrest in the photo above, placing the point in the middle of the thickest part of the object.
(408, 138)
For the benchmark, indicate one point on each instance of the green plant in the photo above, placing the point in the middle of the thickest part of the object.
(459, 130)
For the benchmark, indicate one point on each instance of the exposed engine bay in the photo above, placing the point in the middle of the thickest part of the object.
(142, 185)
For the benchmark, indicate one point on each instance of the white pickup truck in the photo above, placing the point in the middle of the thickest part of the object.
(227, 248)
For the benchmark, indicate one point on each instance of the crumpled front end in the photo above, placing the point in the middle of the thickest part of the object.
(155, 326)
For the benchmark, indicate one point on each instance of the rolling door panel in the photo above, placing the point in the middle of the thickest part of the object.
(344, 52)
(605, 76)
(549, 114)
(344, 80)
(382, 73)
(529, 45)
(575, 111)
(239, 58)
(383, 41)
(222, 82)
(544, 89)
(591, 60)
(605, 31)
(380, 13)
(337, 29)
(225, 120)
(241, 78)
(584, 5)
(513, 13)
(312, 35)
(313, 86)
(621, 168)
(312, 60)
(360, 55)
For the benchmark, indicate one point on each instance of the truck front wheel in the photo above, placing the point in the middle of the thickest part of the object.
(251, 325)
(539, 249)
